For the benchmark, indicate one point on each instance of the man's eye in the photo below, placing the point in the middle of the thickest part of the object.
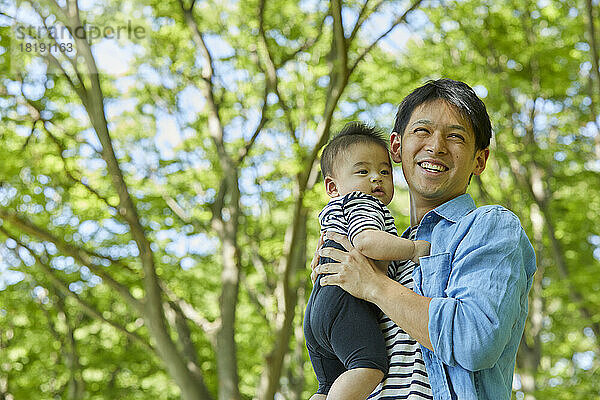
(457, 136)
(421, 131)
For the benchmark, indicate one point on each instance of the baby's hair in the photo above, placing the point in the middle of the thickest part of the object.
(352, 133)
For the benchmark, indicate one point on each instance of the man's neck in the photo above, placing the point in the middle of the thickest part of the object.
(417, 214)
(420, 207)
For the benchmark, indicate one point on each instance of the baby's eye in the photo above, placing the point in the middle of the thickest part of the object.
(362, 171)
(384, 172)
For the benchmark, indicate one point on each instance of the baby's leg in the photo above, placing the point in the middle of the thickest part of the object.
(357, 341)
(355, 384)
(348, 326)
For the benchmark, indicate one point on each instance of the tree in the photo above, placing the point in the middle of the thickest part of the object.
(159, 184)
(93, 191)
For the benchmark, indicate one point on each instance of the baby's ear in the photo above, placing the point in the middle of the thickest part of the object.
(331, 187)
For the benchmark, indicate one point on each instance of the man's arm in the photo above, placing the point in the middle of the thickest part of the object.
(485, 297)
(358, 276)
(469, 324)
(380, 245)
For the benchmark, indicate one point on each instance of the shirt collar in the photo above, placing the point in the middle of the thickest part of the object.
(451, 210)
(456, 208)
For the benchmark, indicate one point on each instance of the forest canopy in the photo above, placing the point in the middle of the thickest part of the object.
(159, 180)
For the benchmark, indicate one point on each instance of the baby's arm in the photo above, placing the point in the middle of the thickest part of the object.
(380, 245)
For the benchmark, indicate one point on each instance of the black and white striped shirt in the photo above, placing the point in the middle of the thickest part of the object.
(355, 212)
(407, 377)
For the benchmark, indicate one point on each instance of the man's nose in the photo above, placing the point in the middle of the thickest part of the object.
(436, 143)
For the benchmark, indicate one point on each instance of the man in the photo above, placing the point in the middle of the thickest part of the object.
(468, 303)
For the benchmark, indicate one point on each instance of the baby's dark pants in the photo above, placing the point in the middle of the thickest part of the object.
(341, 332)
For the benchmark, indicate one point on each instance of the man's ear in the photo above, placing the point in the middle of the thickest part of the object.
(396, 147)
(331, 187)
(481, 157)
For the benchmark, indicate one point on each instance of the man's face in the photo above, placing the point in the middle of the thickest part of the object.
(438, 153)
(365, 168)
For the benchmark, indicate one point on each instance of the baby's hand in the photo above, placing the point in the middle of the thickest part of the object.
(421, 250)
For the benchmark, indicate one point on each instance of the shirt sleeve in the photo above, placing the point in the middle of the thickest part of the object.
(489, 279)
(362, 212)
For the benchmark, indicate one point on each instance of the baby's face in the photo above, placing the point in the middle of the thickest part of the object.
(365, 168)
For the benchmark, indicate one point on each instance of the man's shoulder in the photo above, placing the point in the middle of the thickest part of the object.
(491, 223)
(494, 228)
(479, 225)
(494, 213)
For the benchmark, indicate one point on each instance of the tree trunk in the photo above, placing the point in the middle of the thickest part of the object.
(529, 355)
(296, 376)
(295, 245)
(595, 76)
(226, 350)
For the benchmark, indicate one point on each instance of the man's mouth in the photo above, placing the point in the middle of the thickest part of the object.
(432, 166)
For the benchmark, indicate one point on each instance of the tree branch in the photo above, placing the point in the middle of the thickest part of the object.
(188, 310)
(596, 72)
(62, 15)
(339, 39)
(127, 208)
(397, 22)
(261, 124)
(87, 308)
(308, 43)
(184, 336)
(82, 256)
(593, 41)
(214, 121)
(62, 148)
(362, 17)
(271, 71)
(258, 300)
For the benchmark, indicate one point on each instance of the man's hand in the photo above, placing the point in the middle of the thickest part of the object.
(315, 260)
(354, 272)
(359, 276)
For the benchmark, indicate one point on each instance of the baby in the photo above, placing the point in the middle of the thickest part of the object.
(345, 344)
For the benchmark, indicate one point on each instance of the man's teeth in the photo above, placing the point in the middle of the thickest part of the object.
(434, 167)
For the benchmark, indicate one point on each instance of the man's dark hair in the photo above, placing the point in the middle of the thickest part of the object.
(352, 133)
(457, 93)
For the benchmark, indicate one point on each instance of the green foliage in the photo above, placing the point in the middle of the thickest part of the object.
(530, 62)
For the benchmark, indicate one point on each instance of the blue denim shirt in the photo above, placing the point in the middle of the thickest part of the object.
(478, 274)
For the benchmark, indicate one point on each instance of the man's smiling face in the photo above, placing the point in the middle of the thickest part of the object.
(438, 155)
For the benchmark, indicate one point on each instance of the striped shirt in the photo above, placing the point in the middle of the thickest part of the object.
(354, 213)
(407, 376)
